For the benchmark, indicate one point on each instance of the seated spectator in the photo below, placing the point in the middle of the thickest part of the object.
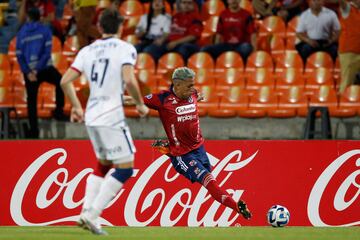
(349, 43)
(47, 15)
(153, 27)
(287, 9)
(318, 30)
(264, 8)
(33, 51)
(10, 27)
(235, 32)
(185, 30)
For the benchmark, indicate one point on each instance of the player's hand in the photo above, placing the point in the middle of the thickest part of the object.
(142, 109)
(128, 100)
(200, 97)
(77, 115)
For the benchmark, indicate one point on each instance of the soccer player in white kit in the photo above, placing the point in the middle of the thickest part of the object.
(108, 64)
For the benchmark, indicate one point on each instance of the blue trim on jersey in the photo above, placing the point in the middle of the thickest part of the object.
(162, 96)
(127, 140)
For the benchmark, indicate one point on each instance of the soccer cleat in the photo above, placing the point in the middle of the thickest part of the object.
(243, 210)
(82, 224)
(91, 226)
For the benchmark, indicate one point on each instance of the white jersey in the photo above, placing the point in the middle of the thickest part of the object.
(101, 63)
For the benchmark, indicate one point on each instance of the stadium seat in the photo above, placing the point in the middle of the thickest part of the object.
(148, 78)
(20, 101)
(201, 60)
(260, 103)
(259, 59)
(272, 25)
(102, 4)
(129, 25)
(209, 30)
(4, 62)
(271, 43)
(6, 97)
(168, 62)
(289, 59)
(204, 76)
(12, 48)
(229, 59)
(294, 101)
(319, 59)
(325, 96)
(17, 78)
(132, 39)
(259, 77)
(56, 45)
(336, 71)
(211, 8)
(349, 101)
(247, 5)
(291, 42)
(131, 8)
(320, 76)
(71, 46)
(47, 97)
(291, 26)
(234, 99)
(59, 62)
(145, 61)
(289, 77)
(210, 102)
(5, 79)
(232, 77)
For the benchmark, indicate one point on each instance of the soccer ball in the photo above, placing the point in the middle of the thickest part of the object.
(278, 216)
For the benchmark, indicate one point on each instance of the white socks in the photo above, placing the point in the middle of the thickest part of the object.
(93, 184)
(108, 190)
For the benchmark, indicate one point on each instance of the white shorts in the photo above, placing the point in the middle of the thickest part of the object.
(112, 144)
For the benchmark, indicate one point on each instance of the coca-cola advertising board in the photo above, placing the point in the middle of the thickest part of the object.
(42, 183)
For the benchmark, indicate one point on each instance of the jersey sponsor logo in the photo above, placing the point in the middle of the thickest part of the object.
(186, 118)
(185, 109)
(192, 163)
(149, 96)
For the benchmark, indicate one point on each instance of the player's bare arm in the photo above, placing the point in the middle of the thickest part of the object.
(77, 113)
(133, 88)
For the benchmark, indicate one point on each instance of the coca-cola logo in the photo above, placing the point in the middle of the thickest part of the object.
(185, 109)
(163, 211)
(340, 203)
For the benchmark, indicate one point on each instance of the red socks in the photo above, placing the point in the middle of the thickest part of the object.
(218, 194)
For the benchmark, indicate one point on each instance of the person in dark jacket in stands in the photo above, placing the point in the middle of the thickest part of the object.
(33, 51)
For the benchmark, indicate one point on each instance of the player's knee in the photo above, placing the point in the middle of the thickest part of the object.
(101, 170)
(122, 174)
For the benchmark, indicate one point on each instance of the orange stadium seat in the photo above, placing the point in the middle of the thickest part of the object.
(260, 103)
(211, 8)
(293, 101)
(271, 43)
(6, 97)
(288, 59)
(103, 4)
(129, 25)
(319, 59)
(20, 102)
(12, 48)
(272, 25)
(210, 102)
(259, 77)
(289, 77)
(56, 45)
(4, 62)
(59, 62)
(5, 79)
(349, 101)
(131, 8)
(148, 78)
(209, 31)
(145, 61)
(204, 76)
(200, 60)
(259, 59)
(247, 5)
(291, 42)
(291, 26)
(320, 76)
(232, 77)
(71, 46)
(235, 99)
(132, 39)
(168, 62)
(326, 96)
(229, 59)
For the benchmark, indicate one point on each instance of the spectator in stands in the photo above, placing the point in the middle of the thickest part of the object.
(10, 27)
(59, 8)
(185, 30)
(153, 27)
(318, 30)
(287, 9)
(264, 8)
(85, 13)
(349, 43)
(47, 15)
(235, 32)
(33, 51)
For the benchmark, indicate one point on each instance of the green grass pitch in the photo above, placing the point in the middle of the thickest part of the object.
(183, 233)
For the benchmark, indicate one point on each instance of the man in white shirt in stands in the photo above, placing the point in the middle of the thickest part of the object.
(318, 30)
(107, 63)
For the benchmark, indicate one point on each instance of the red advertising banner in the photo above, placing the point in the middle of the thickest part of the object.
(42, 183)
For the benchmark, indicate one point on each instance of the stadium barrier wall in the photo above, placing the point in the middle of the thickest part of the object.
(42, 183)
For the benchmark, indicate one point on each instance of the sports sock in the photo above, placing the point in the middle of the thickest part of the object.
(218, 194)
(92, 188)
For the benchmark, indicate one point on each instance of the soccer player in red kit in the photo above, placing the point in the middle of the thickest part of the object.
(178, 112)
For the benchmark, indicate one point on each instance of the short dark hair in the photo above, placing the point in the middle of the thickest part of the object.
(33, 14)
(110, 21)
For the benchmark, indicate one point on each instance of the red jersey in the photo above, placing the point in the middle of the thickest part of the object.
(180, 120)
(235, 27)
(185, 24)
